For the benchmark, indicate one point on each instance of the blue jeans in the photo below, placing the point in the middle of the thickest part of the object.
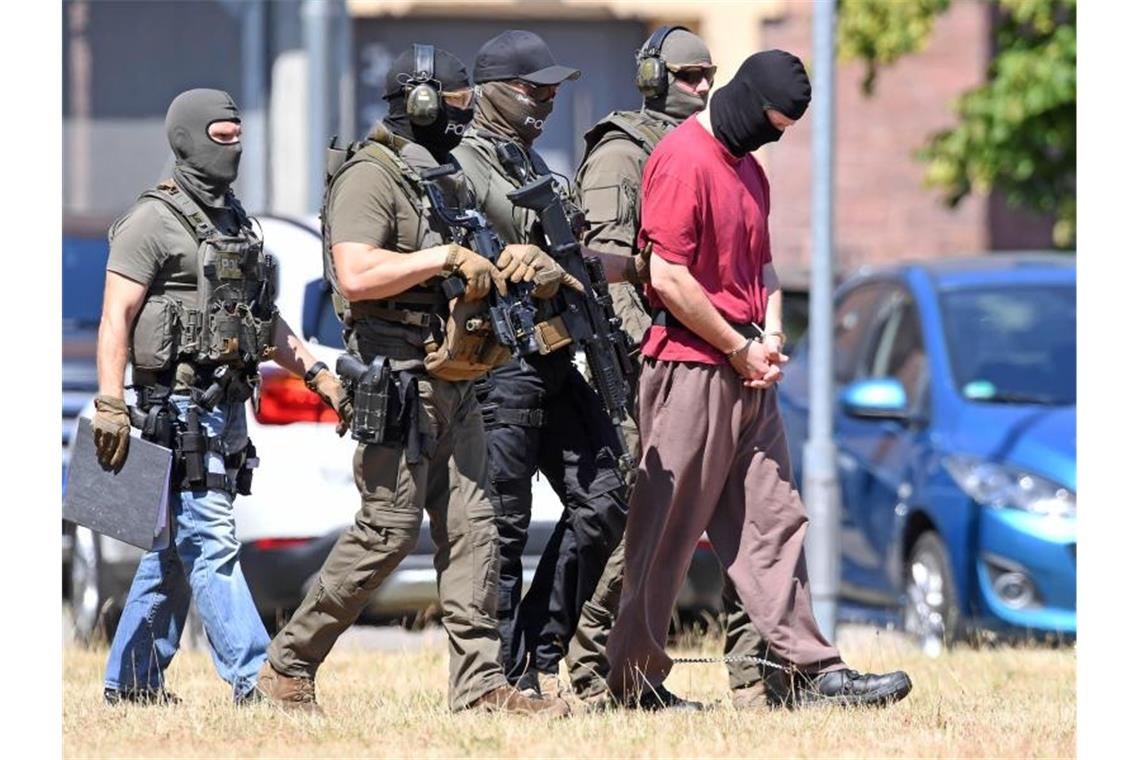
(202, 561)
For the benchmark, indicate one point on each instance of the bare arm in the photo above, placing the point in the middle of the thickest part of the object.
(291, 353)
(685, 300)
(364, 272)
(774, 312)
(122, 300)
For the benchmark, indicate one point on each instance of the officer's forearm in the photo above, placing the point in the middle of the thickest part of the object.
(686, 300)
(616, 265)
(366, 273)
(291, 353)
(111, 356)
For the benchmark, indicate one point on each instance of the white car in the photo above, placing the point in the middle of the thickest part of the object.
(303, 495)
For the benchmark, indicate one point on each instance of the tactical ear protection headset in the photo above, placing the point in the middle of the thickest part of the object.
(652, 74)
(422, 88)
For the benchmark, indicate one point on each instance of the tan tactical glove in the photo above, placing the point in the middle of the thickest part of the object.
(112, 430)
(479, 272)
(328, 386)
(529, 263)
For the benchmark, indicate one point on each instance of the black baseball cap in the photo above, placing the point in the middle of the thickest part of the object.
(518, 54)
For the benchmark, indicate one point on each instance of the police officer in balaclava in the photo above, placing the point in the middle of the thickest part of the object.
(195, 342)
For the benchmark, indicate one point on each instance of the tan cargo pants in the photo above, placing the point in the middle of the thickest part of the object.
(394, 495)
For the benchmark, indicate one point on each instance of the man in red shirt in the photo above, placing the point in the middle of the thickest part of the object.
(715, 456)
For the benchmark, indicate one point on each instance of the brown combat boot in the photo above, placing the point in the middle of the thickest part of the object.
(751, 697)
(549, 685)
(510, 700)
(295, 694)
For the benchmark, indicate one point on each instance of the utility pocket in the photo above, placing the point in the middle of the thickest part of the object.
(154, 343)
(468, 349)
(224, 329)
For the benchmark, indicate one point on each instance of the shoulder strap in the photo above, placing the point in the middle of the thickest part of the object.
(196, 220)
(644, 130)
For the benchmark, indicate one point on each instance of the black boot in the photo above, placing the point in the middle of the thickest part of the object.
(844, 687)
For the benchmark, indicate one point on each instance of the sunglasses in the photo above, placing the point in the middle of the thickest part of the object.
(459, 98)
(692, 75)
(540, 92)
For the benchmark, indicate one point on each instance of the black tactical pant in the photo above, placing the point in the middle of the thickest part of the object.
(543, 415)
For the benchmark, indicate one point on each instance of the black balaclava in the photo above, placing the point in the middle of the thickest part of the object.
(772, 79)
(681, 48)
(203, 167)
(444, 133)
(506, 111)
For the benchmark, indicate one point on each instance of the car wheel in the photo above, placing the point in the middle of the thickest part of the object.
(93, 612)
(932, 609)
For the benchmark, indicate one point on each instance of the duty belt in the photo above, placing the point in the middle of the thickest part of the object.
(662, 318)
(417, 310)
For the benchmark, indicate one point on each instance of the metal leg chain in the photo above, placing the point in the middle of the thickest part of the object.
(734, 658)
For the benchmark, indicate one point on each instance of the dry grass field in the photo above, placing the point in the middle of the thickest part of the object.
(992, 702)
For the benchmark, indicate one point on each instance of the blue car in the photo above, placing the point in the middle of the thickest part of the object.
(955, 424)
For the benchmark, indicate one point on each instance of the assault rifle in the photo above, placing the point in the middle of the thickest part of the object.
(590, 318)
(512, 316)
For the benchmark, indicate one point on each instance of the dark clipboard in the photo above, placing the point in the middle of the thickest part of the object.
(131, 505)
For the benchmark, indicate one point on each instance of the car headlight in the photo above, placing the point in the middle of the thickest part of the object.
(998, 485)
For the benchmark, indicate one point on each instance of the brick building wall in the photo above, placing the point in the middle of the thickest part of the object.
(882, 210)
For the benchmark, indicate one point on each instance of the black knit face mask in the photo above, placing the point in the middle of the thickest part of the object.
(772, 79)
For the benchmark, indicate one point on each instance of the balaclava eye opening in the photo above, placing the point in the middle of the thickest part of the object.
(771, 79)
(203, 167)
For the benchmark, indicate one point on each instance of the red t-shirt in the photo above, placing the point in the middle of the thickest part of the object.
(707, 209)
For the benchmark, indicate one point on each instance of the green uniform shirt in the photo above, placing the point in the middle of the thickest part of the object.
(368, 204)
(609, 186)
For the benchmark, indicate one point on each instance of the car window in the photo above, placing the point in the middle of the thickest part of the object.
(84, 272)
(1014, 344)
(852, 318)
(899, 351)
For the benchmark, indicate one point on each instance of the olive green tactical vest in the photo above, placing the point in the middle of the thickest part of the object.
(227, 317)
(380, 148)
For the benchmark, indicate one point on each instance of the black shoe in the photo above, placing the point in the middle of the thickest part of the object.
(160, 697)
(655, 698)
(847, 688)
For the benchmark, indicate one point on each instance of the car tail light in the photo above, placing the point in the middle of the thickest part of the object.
(269, 544)
(285, 399)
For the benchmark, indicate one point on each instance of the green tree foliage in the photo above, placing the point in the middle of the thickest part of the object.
(1017, 132)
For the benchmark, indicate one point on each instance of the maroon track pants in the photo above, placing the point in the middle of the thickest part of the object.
(714, 459)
